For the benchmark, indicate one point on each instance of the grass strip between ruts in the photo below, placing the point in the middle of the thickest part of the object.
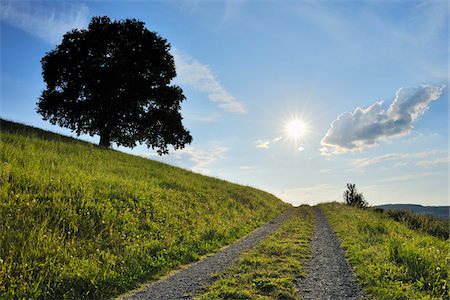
(269, 270)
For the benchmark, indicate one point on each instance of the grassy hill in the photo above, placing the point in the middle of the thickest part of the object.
(391, 260)
(79, 221)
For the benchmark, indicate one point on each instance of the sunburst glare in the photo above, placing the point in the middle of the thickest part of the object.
(296, 128)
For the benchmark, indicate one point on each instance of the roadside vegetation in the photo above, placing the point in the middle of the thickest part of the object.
(80, 221)
(270, 269)
(434, 226)
(391, 261)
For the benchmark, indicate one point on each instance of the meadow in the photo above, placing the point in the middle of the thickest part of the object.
(79, 221)
(269, 270)
(391, 260)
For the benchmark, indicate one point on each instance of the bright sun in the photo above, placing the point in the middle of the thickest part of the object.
(296, 128)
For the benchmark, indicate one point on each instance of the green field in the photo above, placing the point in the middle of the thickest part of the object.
(79, 221)
(392, 261)
(270, 270)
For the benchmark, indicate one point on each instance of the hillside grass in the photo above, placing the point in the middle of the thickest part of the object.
(79, 221)
(434, 226)
(391, 261)
(270, 269)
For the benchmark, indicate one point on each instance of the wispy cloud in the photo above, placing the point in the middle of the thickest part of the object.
(47, 21)
(399, 157)
(202, 118)
(406, 177)
(311, 194)
(247, 168)
(433, 162)
(201, 78)
(231, 10)
(365, 127)
(267, 143)
(389, 39)
(191, 157)
(201, 157)
(262, 144)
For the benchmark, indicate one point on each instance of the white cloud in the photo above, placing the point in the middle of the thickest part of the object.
(263, 144)
(47, 21)
(201, 78)
(366, 127)
(267, 143)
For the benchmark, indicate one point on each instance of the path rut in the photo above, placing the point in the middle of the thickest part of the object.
(184, 283)
(327, 274)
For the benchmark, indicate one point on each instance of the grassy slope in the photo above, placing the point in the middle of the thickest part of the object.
(438, 227)
(78, 221)
(270, 269)
(390, 260)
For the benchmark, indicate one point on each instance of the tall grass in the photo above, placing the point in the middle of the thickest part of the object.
(78, 221)
(269, 271)
(391, 260)
(435, 226)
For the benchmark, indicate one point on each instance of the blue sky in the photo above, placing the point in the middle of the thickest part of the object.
(368, 78)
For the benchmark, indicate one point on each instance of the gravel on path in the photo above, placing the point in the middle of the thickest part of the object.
(327, 274)
(184, 283)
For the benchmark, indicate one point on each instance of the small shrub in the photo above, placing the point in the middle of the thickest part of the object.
(352, 197)
(378, 210)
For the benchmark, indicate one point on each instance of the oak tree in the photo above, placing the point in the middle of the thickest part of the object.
(113, 80)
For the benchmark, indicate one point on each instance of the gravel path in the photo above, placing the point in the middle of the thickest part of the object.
(327, 274)
(183, 284)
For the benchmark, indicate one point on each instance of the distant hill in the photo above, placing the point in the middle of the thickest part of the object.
(436, 211)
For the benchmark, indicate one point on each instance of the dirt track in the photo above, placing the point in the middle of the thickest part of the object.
(327, 274)
(184, 283)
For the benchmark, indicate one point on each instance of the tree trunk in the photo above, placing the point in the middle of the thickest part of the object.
(105, 139)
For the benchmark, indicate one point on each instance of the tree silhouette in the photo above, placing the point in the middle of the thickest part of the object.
(113, 80)
(352, 197)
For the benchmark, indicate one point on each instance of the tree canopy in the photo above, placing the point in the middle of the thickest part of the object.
(113, 80)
